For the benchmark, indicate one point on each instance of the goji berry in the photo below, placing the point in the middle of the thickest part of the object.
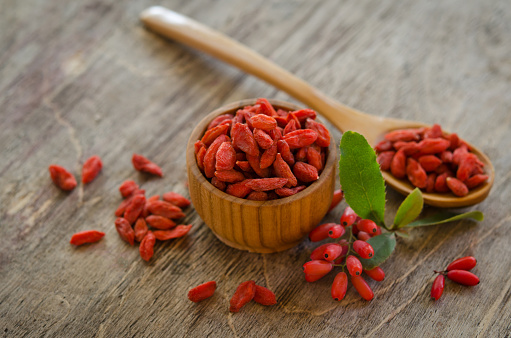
(230, 176)
(463, 263)
(127, 188)
(438, 287)
(301, 155)
(201, 292)
(200, 158)
(218, 184)
(91, 169)
(348, 217)
(213, 133)
(367, 225)
(457, 187)
(291, 126)
(244, 166)
(134, 208)
(165, 209)
(219, 119)
(385, 159)
(317, 267)
(362, 287)
(265, 107)
(398, 164)
(124, 230)
(336, 231)
(468, 165)
(286, 192)
(458, 153)
(446, 156)
(433, 145)
(263, 122)
(463, 277)
(266, 184)
(140, 229)
(225, 157)
(300, 138)
(242, 138)
(285, 151)
(305, 172)
(255, 163)
(140, 163)
(408, 148)
(62, 178)
(429, 162)
(268, 156)
(323, 139)
(88, 236)
(376, 274)
(178, 231)
(415, 173)
(197, 146)
(244, 293)
(314, 156)
(262, 138)
(210, 156)
(257, 196)
(304, 114)
(339, 286)
(281, 169)
(320, 232)
(434, 132)
(264, 296)
(475, 180)
(430, 182)
(384, 145)
(146, 247)
(160, 222)
(364, 249)
(239, 189)
(176, 199)
(402, 135)
(336, 199)
(354, 266)
(441, 183)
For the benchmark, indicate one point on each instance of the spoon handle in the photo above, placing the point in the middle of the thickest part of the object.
(189, 32)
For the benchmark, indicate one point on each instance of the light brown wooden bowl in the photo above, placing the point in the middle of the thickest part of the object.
(258, 226)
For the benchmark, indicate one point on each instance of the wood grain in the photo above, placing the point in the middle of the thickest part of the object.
(84, 78)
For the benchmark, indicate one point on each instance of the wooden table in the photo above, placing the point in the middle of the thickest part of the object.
(84, 78)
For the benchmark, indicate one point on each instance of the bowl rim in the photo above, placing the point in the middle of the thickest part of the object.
(232, 107)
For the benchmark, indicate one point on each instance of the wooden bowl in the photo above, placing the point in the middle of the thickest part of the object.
(258, 226)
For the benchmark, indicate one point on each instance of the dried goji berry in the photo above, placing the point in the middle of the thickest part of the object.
(305, 172)
(230, 176)
(384, 145)
(225, 157)
(242, 138)
(160, 222)
(219, 119)
(134, 208)
(286, 192)
(398, 164)
(291, 126)
(239, 189)
(146, 247)
(244, 165)
(127, 188)
(176, 199)
(244, 293)
(304, 114)
(91, 169)
(255, 163)
(323, 139)
(441, 183)
(268, 157)
(300, 138)
(429, 162)
(265, 107)
(264, 122)
(430, 182)
(285, 151)
(141, 163)
(178, 231)
(210, 156)
(434, 132)
(433, 145)
(213, 133)
(201, 292)
(124, 230)
(403, 135)
(197, 145)
(88, 236)
(262, 138)
(281, 169)
(218, 184)
(385, 159)
(266, 184)
(200, 158)
(264, 296)
(257, 196)
(415, 173)
(475, 180)
(468, 165)
(140, 229)
(339, 286)
(165, 209)
(62, 178)
(457, 187)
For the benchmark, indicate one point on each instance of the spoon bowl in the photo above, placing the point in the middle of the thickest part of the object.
(189, 32)
(258, 226)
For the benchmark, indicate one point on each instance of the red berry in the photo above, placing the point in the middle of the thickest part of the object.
(438, 287)
(348, 217)
(317, 254)
(339, 286)
(362, 287)
(463, 263)
(320, 232)
(264, 296)
(332, 252)
(317, 267)
(354, 266)
(365, 250)
(463, 277)
(336, 231)
(202, 291)
(367, 225)
(363, 236)
(376, 274)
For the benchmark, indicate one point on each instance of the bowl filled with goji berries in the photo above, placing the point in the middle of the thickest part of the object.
(261, 173)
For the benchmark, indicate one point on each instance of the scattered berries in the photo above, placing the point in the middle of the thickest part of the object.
(201, 292)
(458, 272)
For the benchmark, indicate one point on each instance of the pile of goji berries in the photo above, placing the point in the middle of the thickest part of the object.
(134, 210)
(261, 153)
(457, 271)
(136, 213)
(345, 254)
(431, 160)
(245, 292)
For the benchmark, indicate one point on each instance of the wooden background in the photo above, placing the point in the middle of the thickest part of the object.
(79, 78)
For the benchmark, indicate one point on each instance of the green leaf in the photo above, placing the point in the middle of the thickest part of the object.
(383, 246)
(402, 233)
(361, 179)
(444, 217)
(409, 210)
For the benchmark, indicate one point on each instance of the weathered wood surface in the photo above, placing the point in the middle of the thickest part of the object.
(82, 78)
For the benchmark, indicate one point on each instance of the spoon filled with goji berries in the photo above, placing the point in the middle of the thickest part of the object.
(450, 171)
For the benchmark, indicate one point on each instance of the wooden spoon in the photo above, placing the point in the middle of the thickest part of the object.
(189, 32)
